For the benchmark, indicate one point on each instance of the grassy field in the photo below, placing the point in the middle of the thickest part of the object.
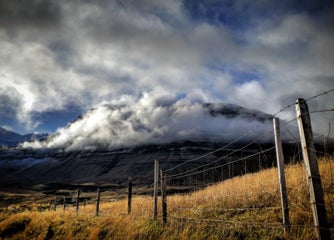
(245, 207)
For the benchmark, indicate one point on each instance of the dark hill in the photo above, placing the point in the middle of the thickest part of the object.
(29, 168)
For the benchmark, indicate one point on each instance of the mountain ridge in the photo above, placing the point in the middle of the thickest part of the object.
(116, 126)
(171, 132)
(12, 139)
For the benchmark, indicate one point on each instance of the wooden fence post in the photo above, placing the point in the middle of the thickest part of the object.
(312, 170)
(97, 202)
(155, 190)
(163, 196)
(77, 202)
(129, 195)
(281, 174)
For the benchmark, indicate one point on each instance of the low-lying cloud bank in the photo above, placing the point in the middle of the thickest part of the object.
(156, 120)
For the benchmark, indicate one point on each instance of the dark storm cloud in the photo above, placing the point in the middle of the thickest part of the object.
(10, 103)
(64, 53)
(138, 31)
(33, 13)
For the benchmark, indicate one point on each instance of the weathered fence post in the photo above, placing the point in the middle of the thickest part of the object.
(155, 189)
(281, 174)
(129, 195)
(77, 201)
(163, 196)
(97, 202)
(312, 170)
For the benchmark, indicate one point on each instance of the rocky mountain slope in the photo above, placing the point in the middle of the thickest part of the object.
(27, 168)
(11, 139)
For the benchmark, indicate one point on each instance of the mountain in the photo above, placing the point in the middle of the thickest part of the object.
(111, 126)
(22, 168)
(8, 138)
(110, 143)
(11, 139)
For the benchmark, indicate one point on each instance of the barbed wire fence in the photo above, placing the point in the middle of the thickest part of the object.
(189, 177)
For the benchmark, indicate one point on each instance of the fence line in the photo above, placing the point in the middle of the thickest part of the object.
(196, 170)
(225, 156)
(320, 94)
(207, 154)
(189, 173)
(308, 99)
(238, 150)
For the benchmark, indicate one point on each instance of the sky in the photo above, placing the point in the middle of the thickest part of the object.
(58, 59)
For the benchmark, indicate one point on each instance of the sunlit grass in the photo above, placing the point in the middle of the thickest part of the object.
(245, 207)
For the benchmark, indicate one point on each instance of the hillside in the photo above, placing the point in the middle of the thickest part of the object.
(111, 142)
(245, 207)
(26, 168)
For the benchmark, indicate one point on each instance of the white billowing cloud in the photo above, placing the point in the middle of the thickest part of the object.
(93, 54)
(250, 94)
(56, 54)
(158, 118)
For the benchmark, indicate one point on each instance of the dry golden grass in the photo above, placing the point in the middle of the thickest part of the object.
(245, 207)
